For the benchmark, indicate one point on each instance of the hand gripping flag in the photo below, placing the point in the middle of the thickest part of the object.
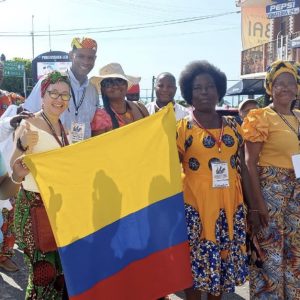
(116, 209)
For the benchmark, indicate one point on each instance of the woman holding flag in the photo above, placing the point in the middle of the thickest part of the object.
(117, 111)
(208, 147)
(43, 132)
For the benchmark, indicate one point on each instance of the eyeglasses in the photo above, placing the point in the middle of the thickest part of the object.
(56, 95)
(110, 82)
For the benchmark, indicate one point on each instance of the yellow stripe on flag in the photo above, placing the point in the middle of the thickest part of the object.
(91, 184)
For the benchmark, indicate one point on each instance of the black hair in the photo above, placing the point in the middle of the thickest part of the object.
(108, 109)
(165, 74)
(196, 68)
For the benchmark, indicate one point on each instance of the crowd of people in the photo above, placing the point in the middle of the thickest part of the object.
(240, 181)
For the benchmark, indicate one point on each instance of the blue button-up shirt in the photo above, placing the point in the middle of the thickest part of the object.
(86, 111)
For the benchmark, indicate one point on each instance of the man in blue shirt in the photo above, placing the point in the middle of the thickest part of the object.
(84, 100)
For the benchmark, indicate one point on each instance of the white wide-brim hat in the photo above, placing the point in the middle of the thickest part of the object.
(244, 102)
(113, 70)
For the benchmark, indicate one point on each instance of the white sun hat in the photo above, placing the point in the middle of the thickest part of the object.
(113, 70)
(244, 102)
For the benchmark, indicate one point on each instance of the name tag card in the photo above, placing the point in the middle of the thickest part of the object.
(220, 175)
(77, 132)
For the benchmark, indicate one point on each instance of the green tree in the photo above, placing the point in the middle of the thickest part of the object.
(15, 84)
(182, 102)
(261, 101)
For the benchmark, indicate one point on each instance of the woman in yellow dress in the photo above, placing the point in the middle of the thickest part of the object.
(272, 137)
(208, 147)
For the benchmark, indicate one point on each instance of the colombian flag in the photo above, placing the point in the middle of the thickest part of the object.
(116, 208)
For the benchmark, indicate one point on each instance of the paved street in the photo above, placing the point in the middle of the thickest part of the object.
(12, 285)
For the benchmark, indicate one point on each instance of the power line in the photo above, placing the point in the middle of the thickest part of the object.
(158, 36)
(160, 7)
(120, 26)
(61, 32)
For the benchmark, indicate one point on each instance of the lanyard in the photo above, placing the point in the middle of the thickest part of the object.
(219, 140)
(64, 139)
(80, 101)
(289, 125)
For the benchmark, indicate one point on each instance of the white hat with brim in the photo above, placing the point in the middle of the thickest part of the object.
(113, 70)
(244, 102)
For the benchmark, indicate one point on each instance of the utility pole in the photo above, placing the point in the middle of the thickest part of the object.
(49, 36)
(152, 92)
(32, 36)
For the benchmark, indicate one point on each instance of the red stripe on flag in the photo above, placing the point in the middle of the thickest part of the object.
(157, 275)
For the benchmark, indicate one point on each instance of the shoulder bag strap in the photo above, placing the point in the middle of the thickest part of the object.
(143, 110)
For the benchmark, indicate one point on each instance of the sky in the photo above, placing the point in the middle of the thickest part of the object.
(215, 35)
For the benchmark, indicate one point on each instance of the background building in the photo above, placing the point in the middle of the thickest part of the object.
(270, 31)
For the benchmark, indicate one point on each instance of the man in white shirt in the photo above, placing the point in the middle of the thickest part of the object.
(165, 89)
(84, 100)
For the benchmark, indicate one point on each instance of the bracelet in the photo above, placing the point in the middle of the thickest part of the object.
(14, 181)
(20, 146)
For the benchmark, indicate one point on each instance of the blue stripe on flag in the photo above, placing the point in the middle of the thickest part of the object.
(134, 237)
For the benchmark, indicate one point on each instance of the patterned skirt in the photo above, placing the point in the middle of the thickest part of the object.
(219, 266)
(278, 275)
(46, 280)
(7, 228)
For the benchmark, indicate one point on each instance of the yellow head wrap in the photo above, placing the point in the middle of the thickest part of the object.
(278, 67)
(85, 43)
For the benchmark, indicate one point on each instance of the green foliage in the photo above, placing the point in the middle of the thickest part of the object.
(261, 101)
(15, 84)
(182, 102)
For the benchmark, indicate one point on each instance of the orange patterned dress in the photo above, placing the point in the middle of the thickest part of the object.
(215, 216)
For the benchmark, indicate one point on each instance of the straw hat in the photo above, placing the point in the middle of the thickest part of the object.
(113, 70)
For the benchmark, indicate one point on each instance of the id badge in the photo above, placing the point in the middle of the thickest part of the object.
(77, 132)
(296, 164)
(220, 175)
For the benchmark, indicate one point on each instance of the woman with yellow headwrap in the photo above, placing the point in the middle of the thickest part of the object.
(272, 148)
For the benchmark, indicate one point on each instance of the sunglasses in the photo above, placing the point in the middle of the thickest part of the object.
(110, 82)
(55, 95)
